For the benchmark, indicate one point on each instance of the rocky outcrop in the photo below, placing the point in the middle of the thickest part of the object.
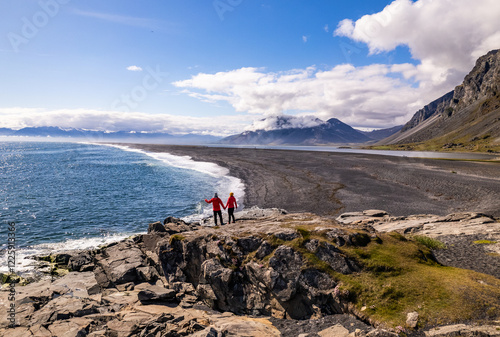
(256, 274)
(256, 277)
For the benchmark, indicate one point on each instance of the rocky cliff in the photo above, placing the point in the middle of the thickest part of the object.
(274, 274)
(466, 118)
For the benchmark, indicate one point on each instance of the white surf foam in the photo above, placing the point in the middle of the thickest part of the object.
(24, 256)
(226, 183)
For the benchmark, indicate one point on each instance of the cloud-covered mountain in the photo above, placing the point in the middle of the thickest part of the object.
(283, 130)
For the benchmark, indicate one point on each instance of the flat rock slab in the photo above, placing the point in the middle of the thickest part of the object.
(464, 330)
(467, 223)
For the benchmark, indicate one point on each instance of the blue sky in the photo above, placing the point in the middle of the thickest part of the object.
(215, 67)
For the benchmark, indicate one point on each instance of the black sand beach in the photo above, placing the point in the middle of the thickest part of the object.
(329, 183)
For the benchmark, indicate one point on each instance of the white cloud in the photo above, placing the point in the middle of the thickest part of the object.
(304, 38)
(375, 95)
(17, 118)
(134, 68)
(121, 19)
(446, 36)
(284, 122)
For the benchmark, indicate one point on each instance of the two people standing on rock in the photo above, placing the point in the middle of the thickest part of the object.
(217, 204)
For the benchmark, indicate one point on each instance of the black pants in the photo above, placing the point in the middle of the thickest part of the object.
(230, 212)
(219, 213)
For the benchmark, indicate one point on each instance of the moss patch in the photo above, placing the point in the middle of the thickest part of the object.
(401, 276)
(176, 237)
(484, 242)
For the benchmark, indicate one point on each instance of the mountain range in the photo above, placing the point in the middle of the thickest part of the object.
(332, 131)
(89, 135)
(467, 118)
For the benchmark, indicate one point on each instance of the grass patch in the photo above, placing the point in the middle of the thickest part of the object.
(484, 242)
(401, 276)
(176, 237)
(429, 242)
(304, 232)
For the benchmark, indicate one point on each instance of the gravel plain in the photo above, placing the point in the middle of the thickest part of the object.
(328, 183)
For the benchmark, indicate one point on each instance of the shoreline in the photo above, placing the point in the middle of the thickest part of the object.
(330, 183)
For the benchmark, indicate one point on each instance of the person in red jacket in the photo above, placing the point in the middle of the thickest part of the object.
(231, 205)
(216, 204)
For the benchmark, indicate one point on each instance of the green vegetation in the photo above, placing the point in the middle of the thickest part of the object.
(401, 276)
(13, 278)
(306, 234)
(484, 242)
(429, 242)
(176, 237)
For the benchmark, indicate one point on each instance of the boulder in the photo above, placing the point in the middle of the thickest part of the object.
(287, 235)
(83, 261)
(76, 327)
(63, 308)
(464, 330)
(335, 259)
(155, 293)
(249, 244)
(381, 333)
(412, 320)
(156, 227)
(121, 263)
(335, 331)
(264, 250)
(287, 263)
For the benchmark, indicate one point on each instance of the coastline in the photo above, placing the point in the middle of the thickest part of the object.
(227, 182)
(199, 211)
(181, 273)
(329, 183)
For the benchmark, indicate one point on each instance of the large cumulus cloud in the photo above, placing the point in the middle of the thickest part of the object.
(445, 37)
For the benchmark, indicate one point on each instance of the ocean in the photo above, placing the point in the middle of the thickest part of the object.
(65, 196)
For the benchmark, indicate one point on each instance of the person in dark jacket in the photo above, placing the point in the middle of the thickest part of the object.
(231, 205)
(216, 205)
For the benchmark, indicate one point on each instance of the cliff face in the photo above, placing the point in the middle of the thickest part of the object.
(436, 107)
(467, 117)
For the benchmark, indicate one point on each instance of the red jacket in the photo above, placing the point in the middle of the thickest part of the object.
(231, 203)
(216, 202)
